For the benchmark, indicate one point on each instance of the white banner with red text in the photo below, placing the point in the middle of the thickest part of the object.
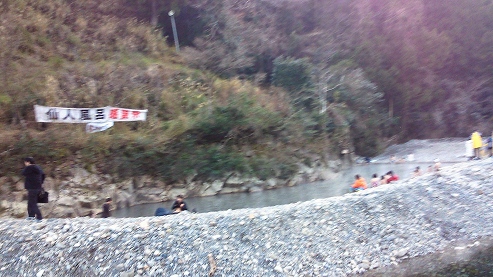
(87, 115)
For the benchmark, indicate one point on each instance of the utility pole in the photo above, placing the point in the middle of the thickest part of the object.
(175, 33)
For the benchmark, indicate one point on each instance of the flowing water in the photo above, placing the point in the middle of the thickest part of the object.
(303, 192)
(423, 153)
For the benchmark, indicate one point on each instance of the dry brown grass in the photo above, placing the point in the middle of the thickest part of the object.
(8, 134)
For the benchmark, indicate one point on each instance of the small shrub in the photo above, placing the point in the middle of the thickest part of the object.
(365, 142)
(73, 40)
(262, 168)
(56, 62)
(214, 162)
(291, 74)
(178, 126)
(216, 126)
(43, 41)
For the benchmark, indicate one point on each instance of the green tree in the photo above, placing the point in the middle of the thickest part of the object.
(294, 75)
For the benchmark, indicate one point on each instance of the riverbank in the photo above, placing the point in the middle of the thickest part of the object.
(448, 150)
(81, 192)
(339, 236)
(337, 185)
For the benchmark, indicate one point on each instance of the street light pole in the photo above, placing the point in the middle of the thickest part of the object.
(175, 33)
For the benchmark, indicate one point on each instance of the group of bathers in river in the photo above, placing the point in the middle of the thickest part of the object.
(360, 182)
(387, 178)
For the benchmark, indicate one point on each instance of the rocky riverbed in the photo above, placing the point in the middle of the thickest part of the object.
(357, 233)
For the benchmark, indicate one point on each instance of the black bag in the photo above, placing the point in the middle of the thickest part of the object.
(43, 196)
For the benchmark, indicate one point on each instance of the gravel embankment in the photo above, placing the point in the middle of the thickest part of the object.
(337, 236)
(448, 150)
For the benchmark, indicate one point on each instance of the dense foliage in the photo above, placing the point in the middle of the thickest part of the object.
(256, 83)
(95, 53)
(432, 60)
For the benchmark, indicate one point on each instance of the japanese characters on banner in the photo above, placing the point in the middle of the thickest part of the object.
(87, 115)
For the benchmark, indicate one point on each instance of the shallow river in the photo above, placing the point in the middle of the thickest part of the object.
(304, 192)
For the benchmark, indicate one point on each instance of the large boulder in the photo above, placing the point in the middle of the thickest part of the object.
(18, 196)
(49, 183)
(18, 186)
(143, 181)
(18, 209)
(86, 203)
(271, 183)
(153, 191)
(209, 189)
(127, 185)
(235, 189)
(173, 192)
(63, 212)
(67, 201)
(234, 181)
(124, 199)
(92, 181)
(109, 190)
(79, 175)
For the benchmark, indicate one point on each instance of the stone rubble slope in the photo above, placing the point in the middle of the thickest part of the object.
(336, 236)
(427, 150)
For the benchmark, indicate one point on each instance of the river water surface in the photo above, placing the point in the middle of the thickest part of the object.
(424, 152)
(449, 151)
(286, 195)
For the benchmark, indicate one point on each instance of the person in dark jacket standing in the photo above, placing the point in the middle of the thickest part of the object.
(106, 208)
(33, 184)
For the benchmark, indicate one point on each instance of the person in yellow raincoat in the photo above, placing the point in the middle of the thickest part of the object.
(477, 142)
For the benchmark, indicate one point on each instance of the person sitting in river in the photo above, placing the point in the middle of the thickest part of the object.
(392, 177)
(383, 180)
(375, 181)
(437, 165)
(359, 183)
(393, 159)
(416, 172)
(386, 177)
(179, 205)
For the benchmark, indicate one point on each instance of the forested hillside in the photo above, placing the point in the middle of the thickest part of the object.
(432, 60)
(257, 87)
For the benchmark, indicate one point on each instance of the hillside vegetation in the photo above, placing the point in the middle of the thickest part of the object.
(258, 87)
(200, 124)
(431, 59)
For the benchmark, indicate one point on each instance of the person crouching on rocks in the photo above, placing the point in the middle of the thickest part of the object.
(359, 183)
(179, 205)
